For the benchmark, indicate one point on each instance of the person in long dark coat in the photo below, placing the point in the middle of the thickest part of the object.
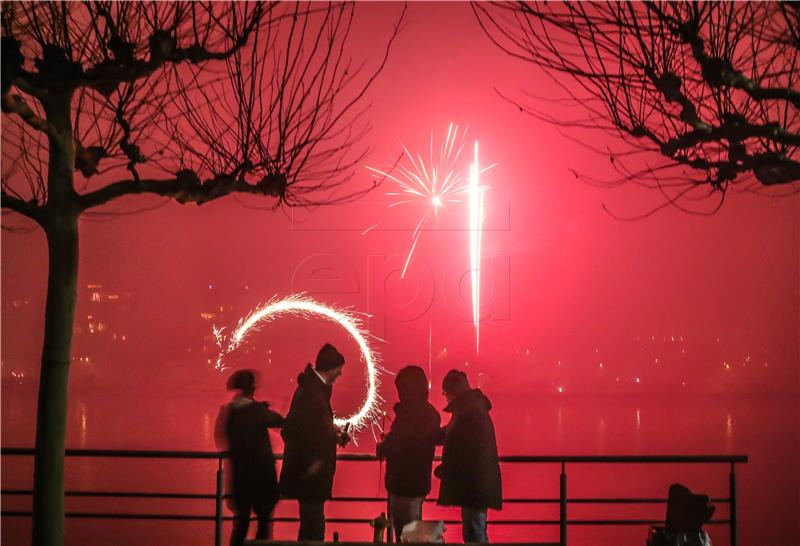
(470, 472)
(242, 429)
(409, 448)
(310, 439)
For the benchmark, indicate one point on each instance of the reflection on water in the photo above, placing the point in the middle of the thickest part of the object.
(84, 423)
(766, 430)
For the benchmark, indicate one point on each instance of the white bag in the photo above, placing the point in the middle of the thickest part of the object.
(423, 531)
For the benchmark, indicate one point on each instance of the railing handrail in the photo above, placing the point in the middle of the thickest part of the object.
(167, 454)
(563, 499)
(511, 500)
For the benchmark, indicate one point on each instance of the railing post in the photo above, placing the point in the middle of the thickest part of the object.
(219, 506)
(732, 496)
(562, 499)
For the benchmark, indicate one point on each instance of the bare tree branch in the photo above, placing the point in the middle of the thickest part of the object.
(15, 104)
(123, 67)
(711, 86)
(29, 209)
(289, 116)
(186, 187)
(263, 94)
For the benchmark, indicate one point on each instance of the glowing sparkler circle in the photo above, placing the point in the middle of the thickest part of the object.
(303, 306)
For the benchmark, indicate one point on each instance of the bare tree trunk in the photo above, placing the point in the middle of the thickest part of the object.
(60, 223)
(51, 423)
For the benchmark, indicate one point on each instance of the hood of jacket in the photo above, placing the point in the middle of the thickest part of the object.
(411, 384)
(309, 379)
(472, 399)
(308, 376)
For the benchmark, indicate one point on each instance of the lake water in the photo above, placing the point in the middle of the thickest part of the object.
(765, 429)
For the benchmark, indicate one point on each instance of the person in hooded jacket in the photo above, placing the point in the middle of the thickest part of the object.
(409, 448)
(470, 472)
(242, 430)
(310, 439)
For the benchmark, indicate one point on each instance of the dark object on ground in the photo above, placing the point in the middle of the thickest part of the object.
(686, 514)
(379, 524)
(294, 543)
(686, 511)
(658, 536)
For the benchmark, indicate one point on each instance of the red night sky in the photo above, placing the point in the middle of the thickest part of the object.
(673, 334)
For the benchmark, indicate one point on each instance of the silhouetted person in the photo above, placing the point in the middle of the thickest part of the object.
(242, 429)
(470, 472)
(409, 448)
(310, 437)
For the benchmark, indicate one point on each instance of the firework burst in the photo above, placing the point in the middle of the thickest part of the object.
(429, 183)
(432, 184)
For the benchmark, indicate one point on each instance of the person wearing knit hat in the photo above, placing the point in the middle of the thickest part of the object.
(310, 438)
(328, 358)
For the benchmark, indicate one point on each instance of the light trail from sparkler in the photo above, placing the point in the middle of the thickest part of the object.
(303, 306)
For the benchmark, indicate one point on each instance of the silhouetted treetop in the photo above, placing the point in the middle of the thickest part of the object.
(711, 87)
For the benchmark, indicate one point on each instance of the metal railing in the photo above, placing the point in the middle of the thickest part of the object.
(563, 499)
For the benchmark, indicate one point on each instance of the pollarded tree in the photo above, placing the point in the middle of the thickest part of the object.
(702, 96)
(190, 101)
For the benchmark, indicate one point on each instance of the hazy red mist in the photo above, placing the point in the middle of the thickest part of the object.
(674, 334)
